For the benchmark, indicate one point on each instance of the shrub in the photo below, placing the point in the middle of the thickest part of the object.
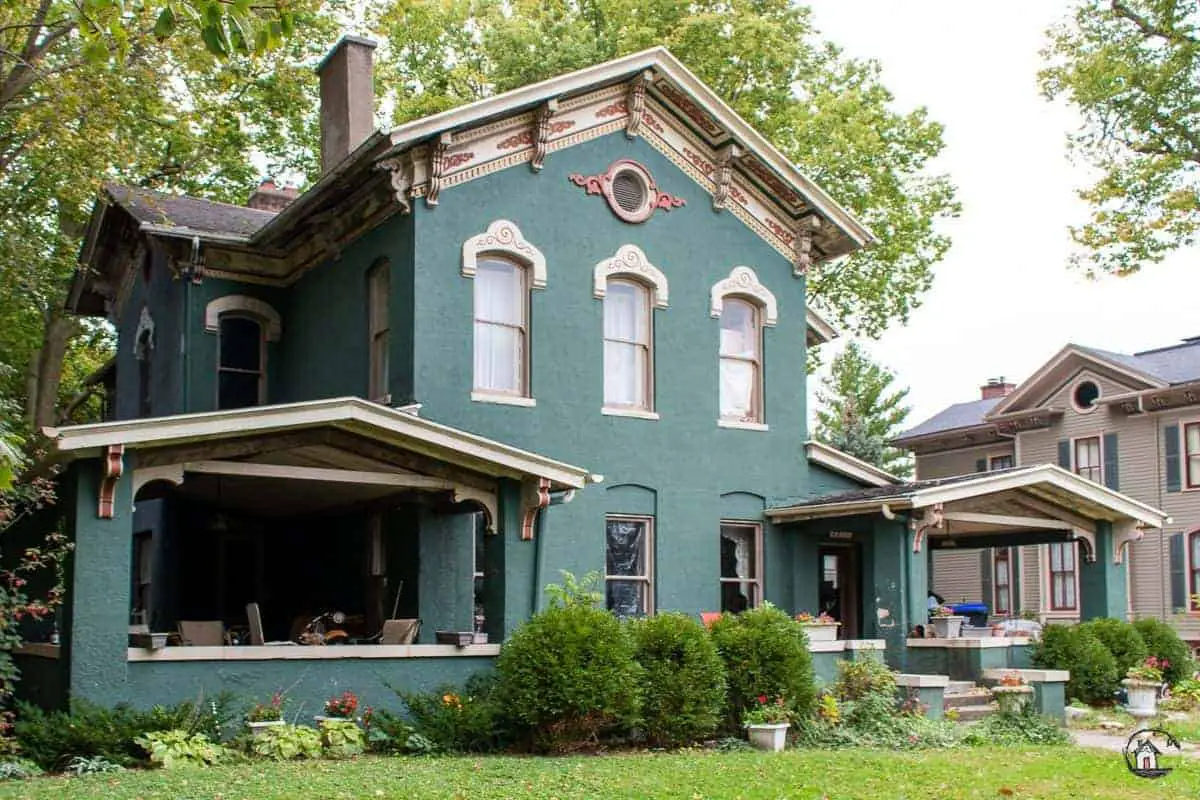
(1163, 642)
(178, 748)
(567, 675)
(857, 679)
(342, 738)
(1094, 676)
(287, 742)
(765, 653)
(684, 686)
(1122, 640)
(1015, 729)
(459, 721)
(1184, 696)
(388, 733)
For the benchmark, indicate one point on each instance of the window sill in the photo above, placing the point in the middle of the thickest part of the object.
(503, 399)
(637, 413)
(744, 426)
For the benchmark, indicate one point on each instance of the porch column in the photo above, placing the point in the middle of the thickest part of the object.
(510, 564)
(446, 577)
(899, 580)
(1102, 588)
(95, 616)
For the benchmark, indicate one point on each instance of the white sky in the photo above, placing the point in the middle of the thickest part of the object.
(1004, 299)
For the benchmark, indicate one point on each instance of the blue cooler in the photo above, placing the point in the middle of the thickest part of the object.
(976, 613)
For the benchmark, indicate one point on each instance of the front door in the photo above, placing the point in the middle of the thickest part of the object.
(838, 595)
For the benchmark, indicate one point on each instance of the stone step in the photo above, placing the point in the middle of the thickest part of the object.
(976, 697)
(958, 687)
(973, 713)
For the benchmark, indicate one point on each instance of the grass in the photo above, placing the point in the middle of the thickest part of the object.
(1059, 772)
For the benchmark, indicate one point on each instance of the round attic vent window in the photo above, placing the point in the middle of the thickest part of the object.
(1085, 395)
(630, 191)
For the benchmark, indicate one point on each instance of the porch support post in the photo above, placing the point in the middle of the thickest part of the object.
(95, 616)
(446, 583)
(1102, 591)
(509, 582)
(898, 578)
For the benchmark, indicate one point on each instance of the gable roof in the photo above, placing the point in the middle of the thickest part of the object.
(959, 415)
(856, 469)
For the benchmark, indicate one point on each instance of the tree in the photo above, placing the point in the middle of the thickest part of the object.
(829, 113)
(1132, 70)
(861, 412)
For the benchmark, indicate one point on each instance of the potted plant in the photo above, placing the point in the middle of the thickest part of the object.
(767, 723)
(1012, 694)
(265, 715)
(946, 624)
(342, 707)
(821, 628)
(1142, 683)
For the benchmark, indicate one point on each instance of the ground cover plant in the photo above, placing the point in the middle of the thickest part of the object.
(1030, 773)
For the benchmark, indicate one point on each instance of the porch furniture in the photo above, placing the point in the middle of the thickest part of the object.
(254, 617)
(202, 633)
(400, 631)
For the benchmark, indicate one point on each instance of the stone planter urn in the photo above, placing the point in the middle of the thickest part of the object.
(1143, 698)
(259, 728)
(821, 631)
(768, 736)
(947, 627)
(1013, 699)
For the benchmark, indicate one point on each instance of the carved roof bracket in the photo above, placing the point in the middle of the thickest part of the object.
(636, 101)
(804, 242)
(437, 162)
(402, 179)
(542, 128)
(725, 174)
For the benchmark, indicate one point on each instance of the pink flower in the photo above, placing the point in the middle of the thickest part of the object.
(762, 699)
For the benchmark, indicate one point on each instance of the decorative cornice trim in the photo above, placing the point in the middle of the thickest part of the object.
(505, 238)
(246, 304)
(630, 261)
(743, 282)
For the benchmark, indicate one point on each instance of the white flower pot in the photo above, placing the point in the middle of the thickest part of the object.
(259, 728)
(1012, 699)
(821, 631)
(947, 627)
(1143, 698)
(768, 736)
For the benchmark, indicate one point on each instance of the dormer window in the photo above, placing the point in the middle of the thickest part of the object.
(241, 371)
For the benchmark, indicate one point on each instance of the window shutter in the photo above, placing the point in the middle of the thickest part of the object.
(1171, 451)
(1064, 454)
(987, 569)
(981, 465)
(1112, 474)
(1179, 598)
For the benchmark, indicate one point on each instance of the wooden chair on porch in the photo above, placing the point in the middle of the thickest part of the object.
(400, 631)
(254, 617)
(202, 633)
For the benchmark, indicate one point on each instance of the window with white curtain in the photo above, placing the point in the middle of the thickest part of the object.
(629, 565)
(501, 328)
(741, 362)
(627, 346)
(1062, 576)
(741, 568)
(1088, 460)
(1002, 580)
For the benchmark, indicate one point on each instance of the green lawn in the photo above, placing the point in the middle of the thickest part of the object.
(1062, 772)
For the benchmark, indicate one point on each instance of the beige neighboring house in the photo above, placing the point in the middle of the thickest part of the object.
(1128, 421)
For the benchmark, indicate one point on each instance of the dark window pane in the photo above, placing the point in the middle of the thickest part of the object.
(237, 390)
(626, 547)
(241, 343)
(626, 598)
(737, 552)
(736, 597)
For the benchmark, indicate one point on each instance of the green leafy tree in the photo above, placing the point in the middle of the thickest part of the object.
(829, 113)
(861, 411)
(1132, 70)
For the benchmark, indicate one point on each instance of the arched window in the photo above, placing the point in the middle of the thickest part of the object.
(501, 328)
(241, 364)
(628, 346)
(741, 362)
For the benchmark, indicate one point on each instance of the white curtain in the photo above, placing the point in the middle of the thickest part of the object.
(743, 551)
(739, 356)
(626, 344)
(499, 324)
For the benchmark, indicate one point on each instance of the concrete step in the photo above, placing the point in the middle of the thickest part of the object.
(976, 697)
(958, 687)
(973, 713)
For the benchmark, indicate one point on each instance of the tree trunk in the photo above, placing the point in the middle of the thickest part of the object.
(47, 374)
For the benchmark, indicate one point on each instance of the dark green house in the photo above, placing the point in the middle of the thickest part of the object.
(563, 328)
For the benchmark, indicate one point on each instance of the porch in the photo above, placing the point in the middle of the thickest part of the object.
(293, 547)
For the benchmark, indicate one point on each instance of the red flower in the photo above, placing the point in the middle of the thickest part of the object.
(762, 699)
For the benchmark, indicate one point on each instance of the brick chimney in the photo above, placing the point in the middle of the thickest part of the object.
(269, 197)
(347, 98)
(996, 387)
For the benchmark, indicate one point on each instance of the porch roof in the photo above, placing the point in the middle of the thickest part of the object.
(400, 428)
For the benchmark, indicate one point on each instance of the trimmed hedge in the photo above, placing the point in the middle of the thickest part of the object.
(1163, 642)
(1122, 640)
(765, 653)
(1094, 676)
(684, 684)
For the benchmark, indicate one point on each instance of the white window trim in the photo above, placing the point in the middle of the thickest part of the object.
(744, 426)
(991, 456)
(1074, 466)
(636, 413)
(1085, 378)
(743, 282)
(647, 411)
(1048, 612)
(650, 561)
(630, 262)
(503, 399)
(1013, 602)
(1182, 424)
(504, 238)
(245, 306)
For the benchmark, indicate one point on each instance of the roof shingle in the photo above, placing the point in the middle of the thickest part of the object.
(159, 208)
